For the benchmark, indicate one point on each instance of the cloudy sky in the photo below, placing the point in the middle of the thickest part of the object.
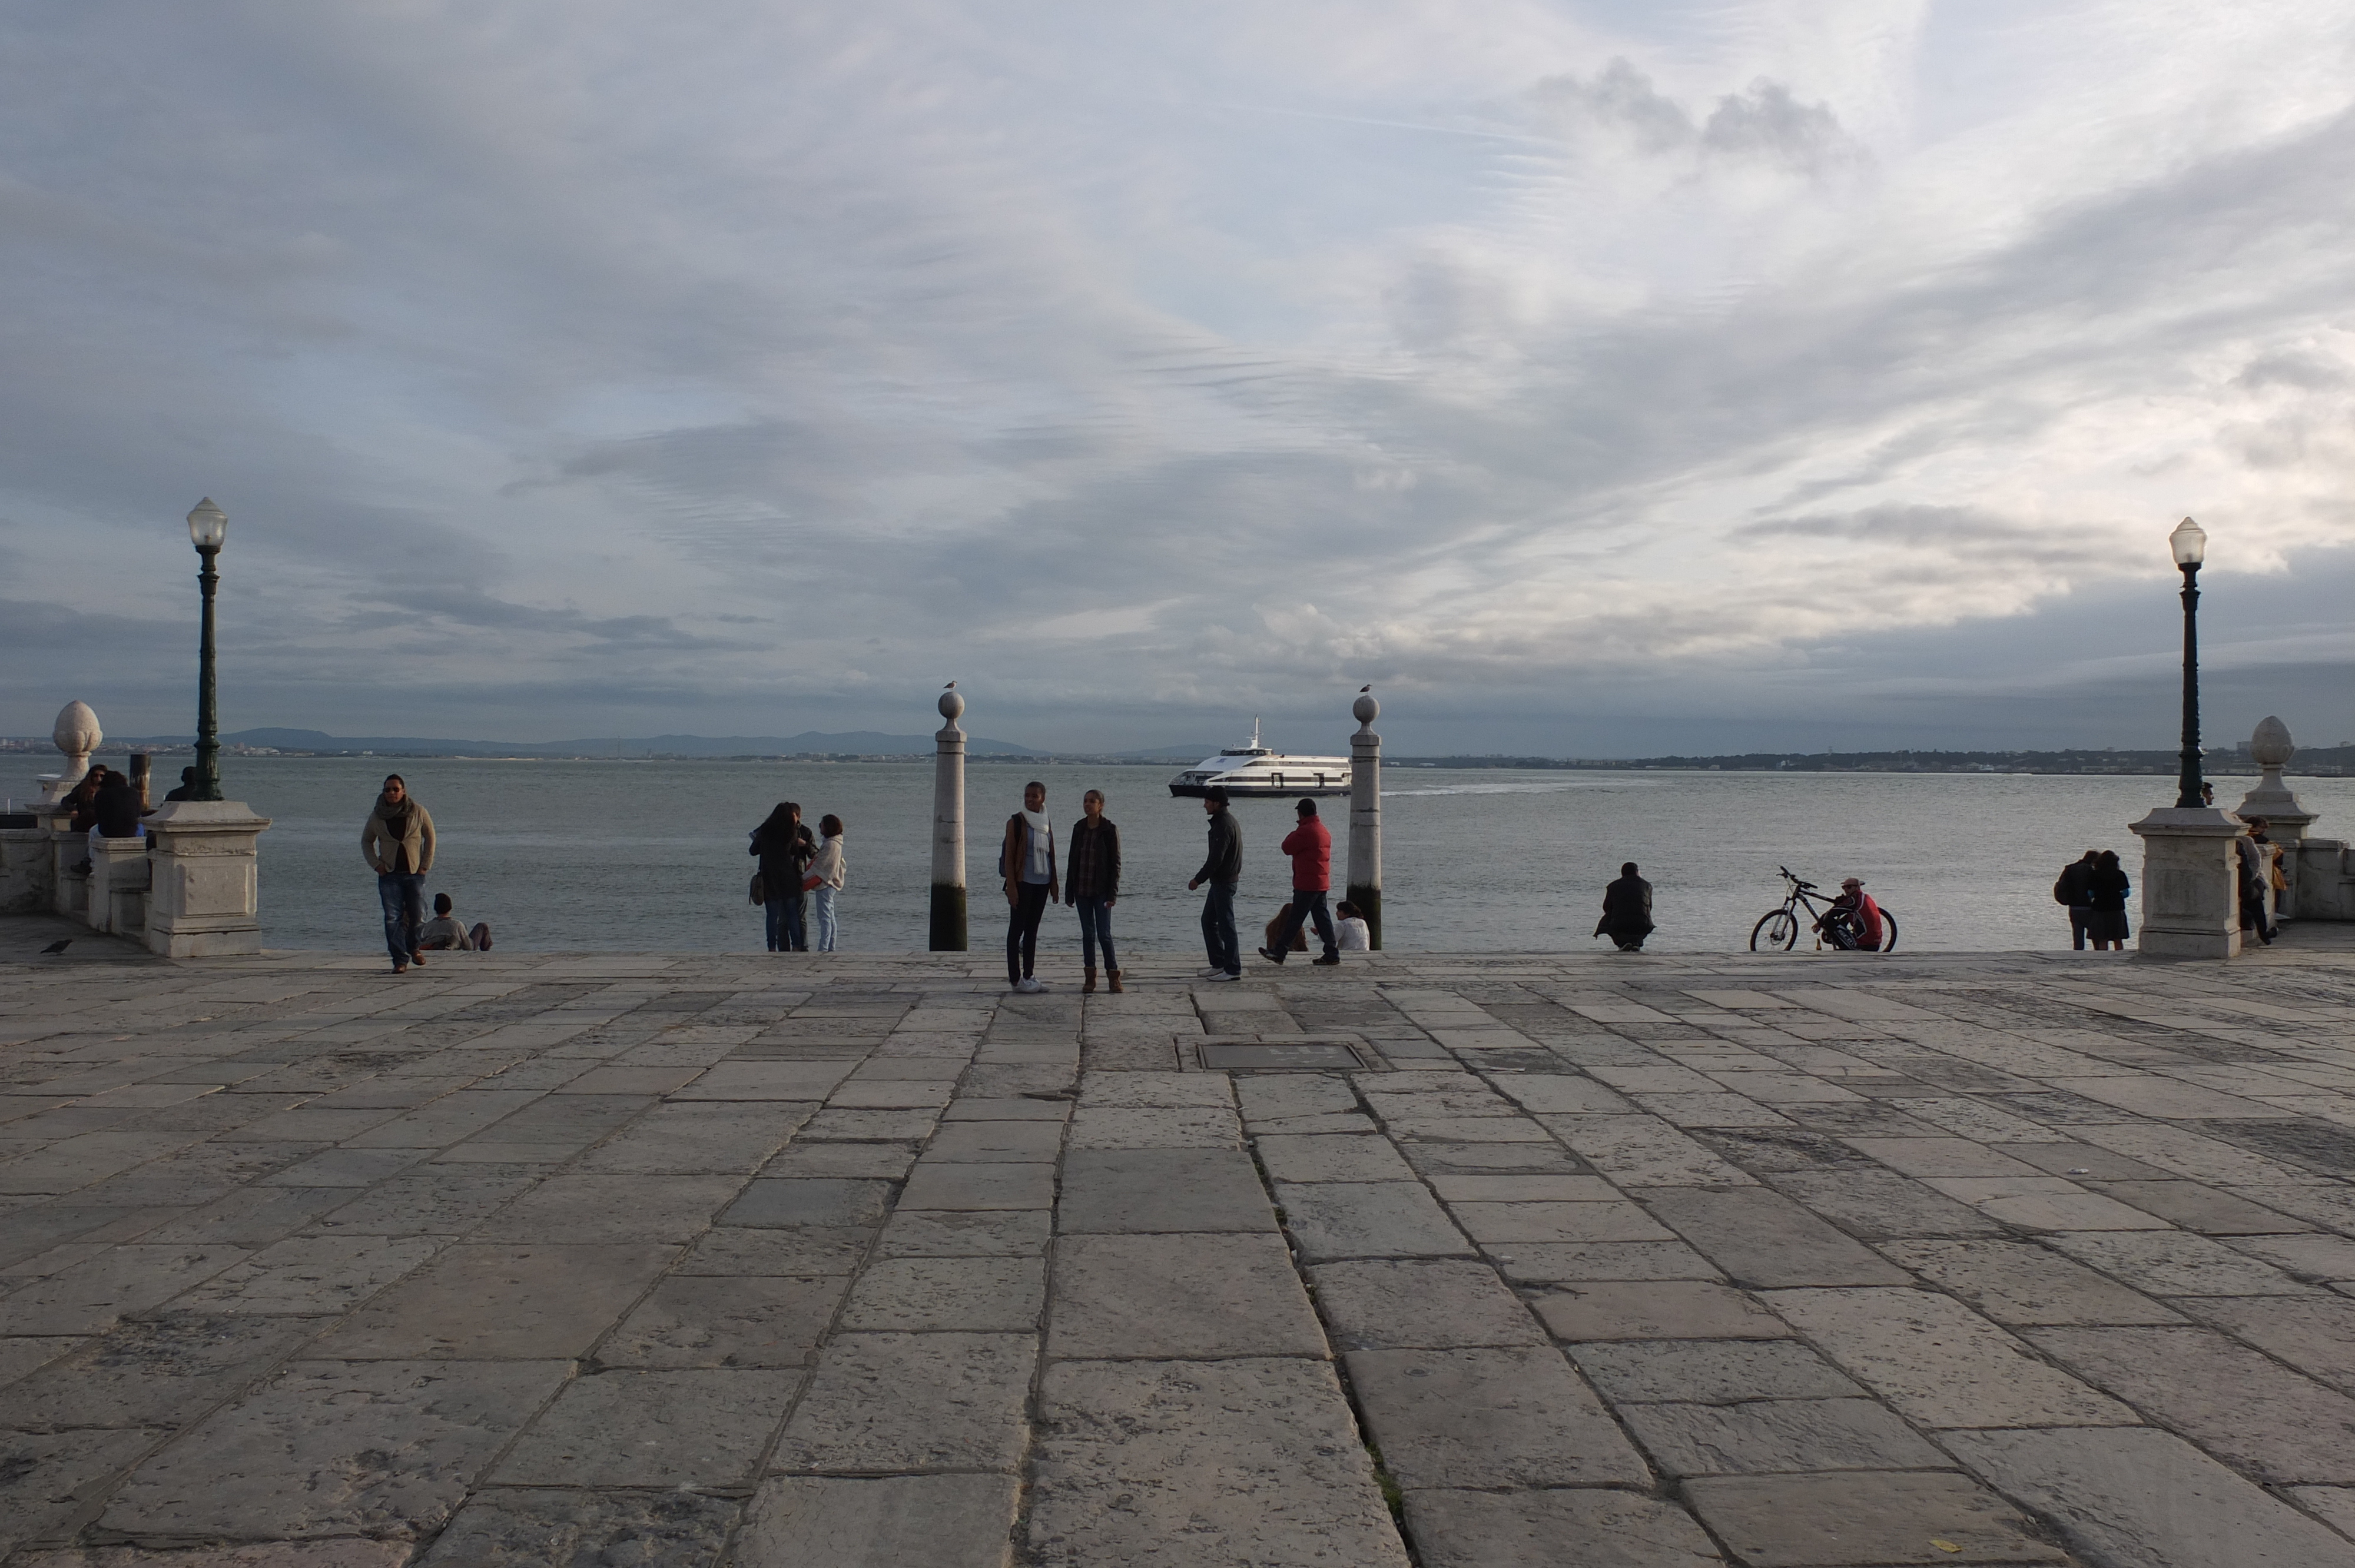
(1596, 378)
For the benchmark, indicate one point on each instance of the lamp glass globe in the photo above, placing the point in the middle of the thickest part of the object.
(2189, 542)
(207, 525)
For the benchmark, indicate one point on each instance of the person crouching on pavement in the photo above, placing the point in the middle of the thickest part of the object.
(1626, 910)
(399, 842)
(1310, 846)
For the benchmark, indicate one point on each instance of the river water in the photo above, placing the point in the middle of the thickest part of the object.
(650, 855)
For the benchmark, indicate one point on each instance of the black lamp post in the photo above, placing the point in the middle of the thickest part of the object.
(2189, 545)
(207, 527)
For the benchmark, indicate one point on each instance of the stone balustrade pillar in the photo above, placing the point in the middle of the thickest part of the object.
(115, 896)
(948, 927)
(1366, 818)
(204, 902)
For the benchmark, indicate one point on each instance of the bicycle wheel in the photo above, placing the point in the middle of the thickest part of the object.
(1776, 932)
(1888, 932)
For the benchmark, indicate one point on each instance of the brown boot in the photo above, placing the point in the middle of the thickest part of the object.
(1115, 981)
(1091, 979)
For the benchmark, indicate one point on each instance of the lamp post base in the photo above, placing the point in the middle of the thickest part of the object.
(2190, 882)
(948, 918)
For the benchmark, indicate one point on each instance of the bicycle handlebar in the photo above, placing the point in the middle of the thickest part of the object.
(1799, 881)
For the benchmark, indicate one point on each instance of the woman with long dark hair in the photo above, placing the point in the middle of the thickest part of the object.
(785, 850)
(2108, 885)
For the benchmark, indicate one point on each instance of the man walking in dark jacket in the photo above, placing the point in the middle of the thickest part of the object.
(1221, 870)
(1310, 846)
(2075, 889)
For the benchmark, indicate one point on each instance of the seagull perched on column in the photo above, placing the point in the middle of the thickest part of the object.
(950, 687)
(1364, 689)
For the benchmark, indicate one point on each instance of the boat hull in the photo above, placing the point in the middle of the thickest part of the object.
(1259, 789)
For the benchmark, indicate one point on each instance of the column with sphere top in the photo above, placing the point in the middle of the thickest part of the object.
(948, 829)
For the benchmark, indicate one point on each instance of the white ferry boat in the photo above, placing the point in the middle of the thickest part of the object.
(1254, 770)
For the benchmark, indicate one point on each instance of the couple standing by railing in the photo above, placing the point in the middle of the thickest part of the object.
(795, 866)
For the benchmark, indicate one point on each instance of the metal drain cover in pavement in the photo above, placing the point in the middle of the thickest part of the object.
(1306, 1056)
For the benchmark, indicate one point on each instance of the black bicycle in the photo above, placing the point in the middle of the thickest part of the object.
(1777, 930)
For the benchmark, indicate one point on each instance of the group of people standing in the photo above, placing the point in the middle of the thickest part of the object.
(2095, 888)
(796, 866)
(1028, 863)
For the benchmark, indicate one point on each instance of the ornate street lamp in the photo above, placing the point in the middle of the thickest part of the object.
(207, 527)
(2189, 545)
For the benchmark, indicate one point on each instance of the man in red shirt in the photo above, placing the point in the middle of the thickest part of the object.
(1311, 849)
(1854, 919)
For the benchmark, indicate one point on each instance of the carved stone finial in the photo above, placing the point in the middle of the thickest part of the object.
(77, 735)
(1365, 709)
(2270, 748)
(952, 706)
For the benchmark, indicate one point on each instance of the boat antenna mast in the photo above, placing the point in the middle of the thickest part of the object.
(1255, 745)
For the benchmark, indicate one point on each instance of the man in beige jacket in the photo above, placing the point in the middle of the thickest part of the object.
(399, 842)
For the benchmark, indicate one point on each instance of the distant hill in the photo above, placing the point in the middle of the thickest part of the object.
(809, 743)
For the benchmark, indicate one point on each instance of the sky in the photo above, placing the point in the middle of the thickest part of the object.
(1593, 378)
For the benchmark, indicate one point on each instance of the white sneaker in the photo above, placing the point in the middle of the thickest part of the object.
(1028, 986)
(1223, 975)
(1208, 974)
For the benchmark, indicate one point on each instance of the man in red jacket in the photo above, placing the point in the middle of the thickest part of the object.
(1311, 849)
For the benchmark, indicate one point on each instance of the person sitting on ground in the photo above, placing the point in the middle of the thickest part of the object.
(1626, 910)
(1350, 924)
(443, 932)
(187, 790)
(1853, 921)
(2106, 916)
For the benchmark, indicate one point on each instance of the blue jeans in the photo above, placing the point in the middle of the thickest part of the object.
(1022, 932)
(1307, 901)
(795, 937)
(1219, 929)
(773, 916)
(402, 894)
(1095, 925)
(824, 896)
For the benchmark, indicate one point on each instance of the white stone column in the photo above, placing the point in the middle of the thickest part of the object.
(204, 901)
(77, 735)
(1366, 817)
(948, 829)
(2190, 878)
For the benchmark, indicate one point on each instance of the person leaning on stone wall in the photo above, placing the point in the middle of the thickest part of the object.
(397, 840)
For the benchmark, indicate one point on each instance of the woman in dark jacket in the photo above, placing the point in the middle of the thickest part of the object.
(2108, 886)
(117, 808)
(1626, 910)
(1092, 886)
(785, 849)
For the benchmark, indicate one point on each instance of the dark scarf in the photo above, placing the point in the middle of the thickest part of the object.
(397, 820)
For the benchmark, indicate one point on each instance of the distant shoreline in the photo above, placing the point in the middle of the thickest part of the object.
(2325, 762)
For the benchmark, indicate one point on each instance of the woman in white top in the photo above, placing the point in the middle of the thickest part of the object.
(828, 871)
(1350, 928)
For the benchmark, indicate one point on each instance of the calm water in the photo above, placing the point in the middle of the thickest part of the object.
(650, 855)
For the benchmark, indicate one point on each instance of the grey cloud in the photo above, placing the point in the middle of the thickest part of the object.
(1763, 124)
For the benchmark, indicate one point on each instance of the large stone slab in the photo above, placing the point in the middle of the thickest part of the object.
(1667, 1309)
(1390, 1304)
(1178, 1463)
(980, 1295)
(1167, 1189)
(1768, 1437)
(2137, 1496)
(46, 1476)
(1939, 1364)
(159, 1372)
(1858, 1519)
(1710, 1371)
(335, 1448)
(885, 1521)
(1762, 1239)
(2314, 1334)
(880, 1403)
(809, 1201)
(717, 1320)
(1332, 1158)
(1179, 1297)
(584, 1206)
(1531, 1530)
(1490, 1417)
(2237, 1403)
(517, 1302)
(2019, 1283)
(2177, 1263)
(1367, 1219)
(540, 1527)
(652, 1429)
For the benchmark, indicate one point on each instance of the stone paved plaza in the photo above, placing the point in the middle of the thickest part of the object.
(1629, 1263)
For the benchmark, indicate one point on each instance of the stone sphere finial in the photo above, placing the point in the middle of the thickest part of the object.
(75, 732)
(2271, 746)
(952, 704)
(1365, 709)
